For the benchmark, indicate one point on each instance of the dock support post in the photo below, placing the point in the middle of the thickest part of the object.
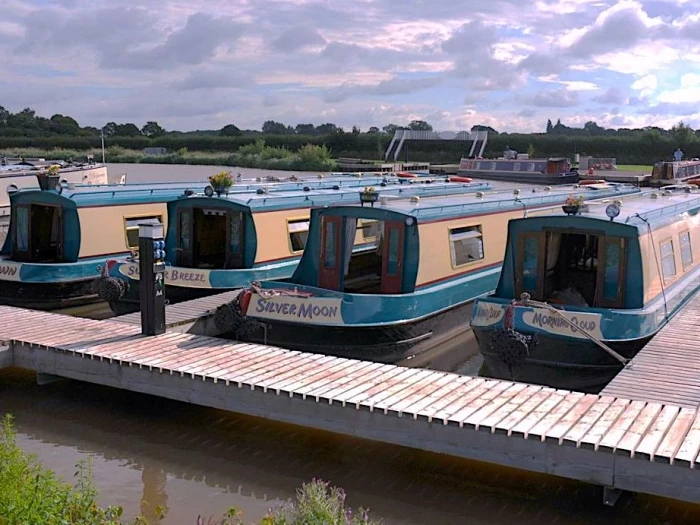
(45, 379)
(152, 272)
(611, 495)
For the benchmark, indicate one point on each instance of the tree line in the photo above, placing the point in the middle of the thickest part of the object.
(643, 145)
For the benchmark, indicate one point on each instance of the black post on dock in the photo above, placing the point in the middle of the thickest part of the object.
(152, 278)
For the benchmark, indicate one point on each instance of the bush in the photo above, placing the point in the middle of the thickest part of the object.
(317, 503)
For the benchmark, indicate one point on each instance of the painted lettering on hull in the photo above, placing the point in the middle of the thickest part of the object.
(10, 271)
(487, 314)
(568, 326)
(185, 277)
(308, 310)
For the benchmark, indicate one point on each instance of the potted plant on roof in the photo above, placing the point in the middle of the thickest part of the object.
(48, 179)
(221, 182)
(572, 205)
(370, 195)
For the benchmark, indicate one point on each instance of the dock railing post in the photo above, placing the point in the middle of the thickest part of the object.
(152, 278)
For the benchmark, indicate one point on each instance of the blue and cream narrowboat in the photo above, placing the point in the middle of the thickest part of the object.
(215, 244)
(555, 170)
(393, 300)
(580, 294)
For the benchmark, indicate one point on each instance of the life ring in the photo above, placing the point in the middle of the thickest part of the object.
(591, 181)
(406, 175)
(457, 178)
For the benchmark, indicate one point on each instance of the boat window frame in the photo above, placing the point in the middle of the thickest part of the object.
(450, 242)
(26, 254)
(672, 254)
(363, 225)
(538, 292)
(298, 219)
(599, 300)
(686, 265)
(137, 217)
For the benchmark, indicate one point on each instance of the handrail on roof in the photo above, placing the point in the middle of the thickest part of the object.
(670, 209)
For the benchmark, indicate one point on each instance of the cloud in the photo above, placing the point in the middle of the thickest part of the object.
(367, 63)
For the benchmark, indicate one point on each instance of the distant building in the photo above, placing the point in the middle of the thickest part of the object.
(155, 151)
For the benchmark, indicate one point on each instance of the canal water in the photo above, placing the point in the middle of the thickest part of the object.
(146, 451)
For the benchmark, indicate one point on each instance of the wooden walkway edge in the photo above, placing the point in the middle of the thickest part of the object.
(191, 317)
(667, 369)
(618, 443)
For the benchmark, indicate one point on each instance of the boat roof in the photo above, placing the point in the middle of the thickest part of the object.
(478, 203)
(344, 195)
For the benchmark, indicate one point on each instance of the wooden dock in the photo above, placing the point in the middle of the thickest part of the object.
(192, 317)
(619, 443)
(667, 369)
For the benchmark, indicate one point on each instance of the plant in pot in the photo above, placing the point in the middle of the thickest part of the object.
(572, 205)
(369, 194)
(221, 182)
(49, 179)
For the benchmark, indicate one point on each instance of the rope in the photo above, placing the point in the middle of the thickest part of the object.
(525, 299)
(269, 294)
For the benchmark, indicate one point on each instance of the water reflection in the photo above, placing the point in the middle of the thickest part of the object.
(192, 460)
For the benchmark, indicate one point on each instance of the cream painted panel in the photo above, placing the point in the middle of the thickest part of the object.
(102, 228)
(435, 260)
(273, 234)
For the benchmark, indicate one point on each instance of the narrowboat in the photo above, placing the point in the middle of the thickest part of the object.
(555, 170)
(26, 174)
(215, 244)
(60, 237)
(395, 299)
(579, 295)
(676, 172)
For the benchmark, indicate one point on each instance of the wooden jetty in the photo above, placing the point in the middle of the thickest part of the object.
(192, 317)
(667, 369)
(619, 443)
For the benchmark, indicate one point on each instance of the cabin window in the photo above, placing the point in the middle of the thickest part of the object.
(612, 269)
(516, 166)
(131, 226)
(530, 166)
(686, 250)
(478, 165)
(185, 231)
(668, 260)
(370, 228)
(493, 165)
(298, 233)
(466, 245)
(22, 230)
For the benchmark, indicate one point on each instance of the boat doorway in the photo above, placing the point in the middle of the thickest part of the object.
(210, 238)
(38, 235)
(349, 264)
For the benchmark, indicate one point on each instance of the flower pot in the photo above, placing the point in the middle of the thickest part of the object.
(571, 209)
(48, 182)
(369, 197)
(219, 189)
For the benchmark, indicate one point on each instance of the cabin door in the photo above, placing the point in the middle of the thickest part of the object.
(330, 265)
(234, 234)
(392, 257)
(185, 232)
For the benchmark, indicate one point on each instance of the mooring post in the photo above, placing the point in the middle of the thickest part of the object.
(152, 278)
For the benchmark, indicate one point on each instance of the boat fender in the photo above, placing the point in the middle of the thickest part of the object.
(456, 178)
(231, 318)
(512, 347)
(111, 289)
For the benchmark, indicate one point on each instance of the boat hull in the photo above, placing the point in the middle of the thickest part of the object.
(49, 295)
(173, 294)
(392, 343)
(568, 364)
(526, 177)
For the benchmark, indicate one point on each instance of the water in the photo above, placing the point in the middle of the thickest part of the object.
(148, 451)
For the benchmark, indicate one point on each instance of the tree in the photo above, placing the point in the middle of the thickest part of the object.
(270, 127)
(152, 129)
(549, 125)
(420, 125)
(110, 129)
(681, 132)
(481, 127)
(129, 130)
(229, 130)
(355, 130)
(373, 129)
(391, 128)
(305, 129)
(63, 125)
(326, 129)
(593, 129)
(3, 116)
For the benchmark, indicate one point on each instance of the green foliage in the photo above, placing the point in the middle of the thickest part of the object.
(318, 503)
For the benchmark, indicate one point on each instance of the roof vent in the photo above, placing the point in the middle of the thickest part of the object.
(306, 188)
(188, 192)
(516, 191)
(667, 193)
(479, 194)
(415, 199)
(654, 196)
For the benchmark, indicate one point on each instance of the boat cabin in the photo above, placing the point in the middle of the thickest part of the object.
(599, 260)
(553, 166)
(673, 172)
(251, 229)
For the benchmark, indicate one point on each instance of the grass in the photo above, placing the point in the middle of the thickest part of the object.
(31, 494)
(634, 167)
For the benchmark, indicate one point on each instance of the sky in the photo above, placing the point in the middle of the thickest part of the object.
(202, 64)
